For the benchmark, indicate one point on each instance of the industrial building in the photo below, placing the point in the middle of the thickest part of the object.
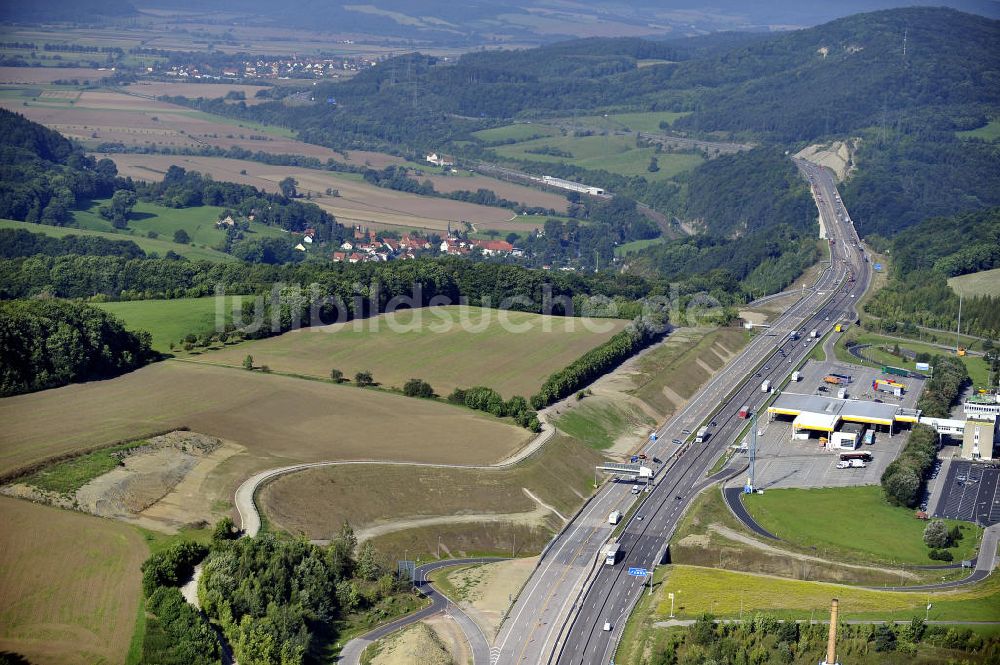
(570, 185)
(978, 438)
(816, 413)
(982, 406)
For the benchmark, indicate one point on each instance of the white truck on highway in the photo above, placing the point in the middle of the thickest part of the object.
(795, 376)
(814, 334)
(765, 386)
(702, 435)
(615, 517)
(611, 554)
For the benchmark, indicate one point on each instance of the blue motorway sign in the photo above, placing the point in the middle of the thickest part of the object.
(638, 572)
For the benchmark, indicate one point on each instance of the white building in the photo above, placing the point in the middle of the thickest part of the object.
(572, 186)
(439, 160)
(977, 442)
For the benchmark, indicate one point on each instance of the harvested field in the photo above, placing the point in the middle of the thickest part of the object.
(196, 90)
(69, 586)
(46, 75)
(277, 419)
(508, 190)
(559, 477)
(100, 116)
(358, 203)
(449, 347)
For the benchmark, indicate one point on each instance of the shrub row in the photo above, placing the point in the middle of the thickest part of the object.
(903, 477)
(486, 399)
(596, 362)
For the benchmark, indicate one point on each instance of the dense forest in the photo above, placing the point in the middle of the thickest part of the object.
(16, 243)
(923, 258)
(48, 343)
(276, 599)
(43, 176)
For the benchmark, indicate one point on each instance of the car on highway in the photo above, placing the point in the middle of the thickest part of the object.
(677, 441)
(639, 517)
(685, 431)
(607, 625)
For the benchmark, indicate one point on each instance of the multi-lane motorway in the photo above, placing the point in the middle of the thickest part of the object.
(563, 610)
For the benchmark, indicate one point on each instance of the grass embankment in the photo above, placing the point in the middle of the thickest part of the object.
(710, 536)
(725, 593)
(673, 372)
(735, 594)
(159, 246)
(599, 423)
(851, 524)
(880, 347)
(69, 476)
(170, 320)
(449, 347)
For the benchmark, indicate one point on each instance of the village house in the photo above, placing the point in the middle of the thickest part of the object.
(440, 160)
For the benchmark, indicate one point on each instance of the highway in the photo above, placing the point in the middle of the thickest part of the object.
(562, 610)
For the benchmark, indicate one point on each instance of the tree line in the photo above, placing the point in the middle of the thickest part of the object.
(17, 243)
(49, 343)
(598, 361)
(903, 478)
(763, 638)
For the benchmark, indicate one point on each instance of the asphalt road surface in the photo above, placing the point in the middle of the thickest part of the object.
(351, 653)
(562, 610)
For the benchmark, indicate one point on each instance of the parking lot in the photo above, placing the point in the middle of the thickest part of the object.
(971, 492)
(859, 387)
(785, 462)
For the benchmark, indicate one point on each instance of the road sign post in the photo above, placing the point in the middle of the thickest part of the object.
(671, 597)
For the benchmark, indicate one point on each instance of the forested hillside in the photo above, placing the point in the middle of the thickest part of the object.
(924, 257)
(48, 343)
(43, 175)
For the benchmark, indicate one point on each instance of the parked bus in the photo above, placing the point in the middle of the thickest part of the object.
(861, 455)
